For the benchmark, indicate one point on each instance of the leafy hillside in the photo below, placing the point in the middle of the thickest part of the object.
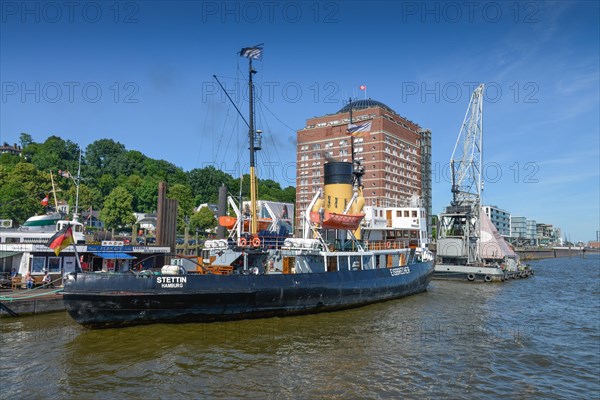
(115, 180)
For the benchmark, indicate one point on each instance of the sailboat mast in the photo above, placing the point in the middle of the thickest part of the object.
(54, 192)
(253, 188)
(75, 214)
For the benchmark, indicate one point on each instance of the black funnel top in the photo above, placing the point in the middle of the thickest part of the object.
(338, 172)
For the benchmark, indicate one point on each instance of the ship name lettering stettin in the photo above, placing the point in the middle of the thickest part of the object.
(171, 281)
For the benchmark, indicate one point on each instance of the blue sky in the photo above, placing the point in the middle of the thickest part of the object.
(141, 73)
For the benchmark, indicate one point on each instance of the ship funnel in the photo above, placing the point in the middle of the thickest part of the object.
(338, 186)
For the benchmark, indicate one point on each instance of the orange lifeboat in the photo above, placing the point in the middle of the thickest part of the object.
(342, 221)
(227, 221)
(263, 224)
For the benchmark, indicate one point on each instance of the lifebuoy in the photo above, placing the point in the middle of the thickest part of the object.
(388, 245)
(487, 278)
(243, 242)
(471, 277)
(256, 242)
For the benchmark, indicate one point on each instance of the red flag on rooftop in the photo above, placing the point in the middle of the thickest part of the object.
(61, 239)
(45, 201)
(363, 87)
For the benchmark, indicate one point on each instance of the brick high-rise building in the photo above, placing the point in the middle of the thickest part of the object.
(391, 153)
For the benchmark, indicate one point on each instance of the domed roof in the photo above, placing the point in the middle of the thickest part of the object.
(362, 104)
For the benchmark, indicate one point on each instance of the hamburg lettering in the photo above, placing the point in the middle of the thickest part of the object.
(400, 271)
(171, 281)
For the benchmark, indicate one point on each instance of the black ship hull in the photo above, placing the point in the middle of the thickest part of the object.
(104, 301)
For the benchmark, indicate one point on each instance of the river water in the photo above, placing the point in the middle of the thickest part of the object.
(532, 338)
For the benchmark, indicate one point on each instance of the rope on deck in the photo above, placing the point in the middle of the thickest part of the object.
(11, 298)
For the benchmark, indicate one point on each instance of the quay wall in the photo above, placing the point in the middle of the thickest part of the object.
(538, 254)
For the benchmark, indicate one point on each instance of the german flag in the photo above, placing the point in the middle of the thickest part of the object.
(61, 239)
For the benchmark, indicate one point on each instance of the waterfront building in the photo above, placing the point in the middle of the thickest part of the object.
(111, 256)
(91, 219)
(528, 232)
(212, 207)
(531, 232)
(518, 228)
(500, 218)
(395, 152)
(546, 234)
(518, 231)
(147, 221)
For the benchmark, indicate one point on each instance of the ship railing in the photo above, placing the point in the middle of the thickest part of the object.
(413, 202)
(272, 242)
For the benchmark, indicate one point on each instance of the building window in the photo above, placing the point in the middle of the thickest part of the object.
(38, 264)
(405, 214)
(53, 264)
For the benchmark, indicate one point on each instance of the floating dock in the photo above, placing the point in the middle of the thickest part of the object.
(18, 303)
(479, 273)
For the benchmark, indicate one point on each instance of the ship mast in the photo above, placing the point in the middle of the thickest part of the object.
(254, 225)
(252, 53)
(77, 182)
(54, 192)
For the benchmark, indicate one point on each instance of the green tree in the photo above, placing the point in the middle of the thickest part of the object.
(25, 140)
(288, 195)
(205, 183)
(101, 157)
(117, 211)
(15, 204)
(55, 153)
(146, 195)
(165, 171)
(105, 184)
(9, 159)
(88, 197)
(203, 220)
(22, 187)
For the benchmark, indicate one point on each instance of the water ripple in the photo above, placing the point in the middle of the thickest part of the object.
(533, 338)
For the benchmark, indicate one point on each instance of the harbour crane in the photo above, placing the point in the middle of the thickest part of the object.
(460, 223)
